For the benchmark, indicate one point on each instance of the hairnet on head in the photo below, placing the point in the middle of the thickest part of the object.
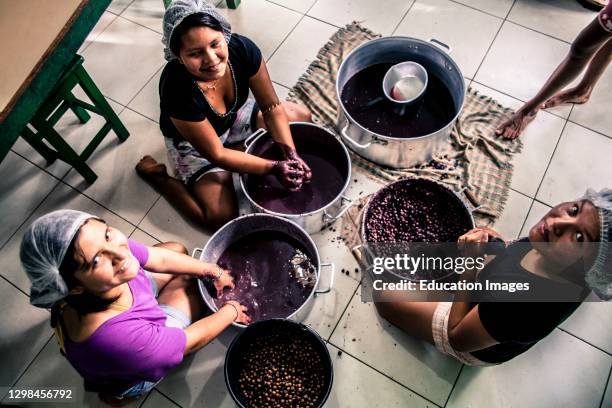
(176, 13)
(599, 277)
(43, 248)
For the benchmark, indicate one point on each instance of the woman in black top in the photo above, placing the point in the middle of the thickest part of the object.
(556, 256)
(205, 109)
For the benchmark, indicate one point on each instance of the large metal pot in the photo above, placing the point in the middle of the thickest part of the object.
(302, 132)
(392, 151)
(247, 224)
(455, 198)
(260, 330)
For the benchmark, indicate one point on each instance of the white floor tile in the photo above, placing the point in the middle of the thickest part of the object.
(62, 197)
(118, 186)
(158, 400)
(165, 224)
(144, 238)
(581, 161)
(381, 16)
(100, 26)
(117, 6)
(411, 362)
(146, 101)
(52, 370)
(76, 134)
(595, 114)
(467, 31)
(607, 400)
(327, 308)
(592, 322)
(148, 13)
(298, 5)
(123, 58)
(539, 141)
(520, 61)
(299, 50)
(537, 211)
(357, 385)
(265, 23)
(562, 19)
(23, 187)
(25, 330)
(560, 371)
(281, 91)
(199, 380)
(499, 8)
(510, 222)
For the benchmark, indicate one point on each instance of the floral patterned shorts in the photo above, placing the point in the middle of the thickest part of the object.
(190, 166)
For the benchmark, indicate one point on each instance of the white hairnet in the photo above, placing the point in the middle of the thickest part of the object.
(43, 247)
(599, 277)
(176, 13)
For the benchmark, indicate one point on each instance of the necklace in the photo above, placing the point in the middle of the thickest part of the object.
(210, 87)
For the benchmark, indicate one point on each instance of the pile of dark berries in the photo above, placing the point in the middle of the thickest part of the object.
(281, 371)
(415, 210)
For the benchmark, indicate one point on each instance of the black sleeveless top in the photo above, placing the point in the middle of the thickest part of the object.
(517, 326)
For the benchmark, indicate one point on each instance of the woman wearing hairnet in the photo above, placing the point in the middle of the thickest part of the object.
(205, 109)
(123, 313)
(556, 255)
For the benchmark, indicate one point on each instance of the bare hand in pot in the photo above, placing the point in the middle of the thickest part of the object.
(289, 173)
(472, 243)
(224, 280)
(241, 311)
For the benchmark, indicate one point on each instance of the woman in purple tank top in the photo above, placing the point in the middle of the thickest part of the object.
(124, 313)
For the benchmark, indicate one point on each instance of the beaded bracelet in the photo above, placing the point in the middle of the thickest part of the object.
(235, 308)
(270, 108)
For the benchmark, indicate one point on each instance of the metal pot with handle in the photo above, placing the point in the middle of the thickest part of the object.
(394, 151)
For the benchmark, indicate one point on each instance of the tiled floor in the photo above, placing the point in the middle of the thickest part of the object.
(508, 48)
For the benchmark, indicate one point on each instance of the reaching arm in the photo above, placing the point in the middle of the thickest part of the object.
(205, 140)
(465, 330)
(163, 260)
(275, 117)
(207, 329)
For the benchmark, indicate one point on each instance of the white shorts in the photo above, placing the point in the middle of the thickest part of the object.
(439, 328)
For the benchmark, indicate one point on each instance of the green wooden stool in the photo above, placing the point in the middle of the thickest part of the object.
(62, 99)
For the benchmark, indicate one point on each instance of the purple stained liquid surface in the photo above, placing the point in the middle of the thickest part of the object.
(364, 99)
(259, 263)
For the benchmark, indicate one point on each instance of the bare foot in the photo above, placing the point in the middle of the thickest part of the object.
(514, 126)
(148, 168)
(570, 96)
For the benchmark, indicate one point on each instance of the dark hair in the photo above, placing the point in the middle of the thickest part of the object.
(85, 302)
(189, 22)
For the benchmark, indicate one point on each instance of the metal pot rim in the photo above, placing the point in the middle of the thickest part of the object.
(202, 289)
(299, 325)
(367, 206)
(326, 206)
(391, 138)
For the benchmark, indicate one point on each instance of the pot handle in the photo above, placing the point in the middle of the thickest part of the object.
(346, 202)
(195, 251)
(249, 140)
(332, 272)
(447, 48)
(351, 140)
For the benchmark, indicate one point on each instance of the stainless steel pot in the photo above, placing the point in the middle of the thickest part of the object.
(247, 224)
(392, 151)
(366, 256)
(318, 219)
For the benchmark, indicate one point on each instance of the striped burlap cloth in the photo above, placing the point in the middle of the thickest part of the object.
(474, 158)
